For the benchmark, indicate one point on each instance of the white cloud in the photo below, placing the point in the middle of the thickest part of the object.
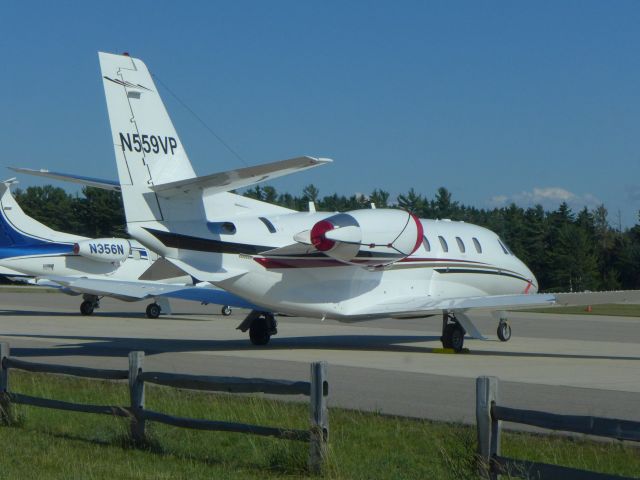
(548, 197)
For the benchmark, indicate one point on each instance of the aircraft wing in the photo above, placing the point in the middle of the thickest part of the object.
(125, 290)
(597, 298)
(139, 290)
(417, 306)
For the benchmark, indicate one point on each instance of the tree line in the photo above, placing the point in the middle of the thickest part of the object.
(566, 250)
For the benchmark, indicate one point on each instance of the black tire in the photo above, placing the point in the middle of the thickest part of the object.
(259, 331)
(86, 307)
(226, 310)
(504, 331)
(153, 310)
(453, 337)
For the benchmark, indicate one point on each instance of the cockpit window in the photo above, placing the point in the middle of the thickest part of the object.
(505, 249)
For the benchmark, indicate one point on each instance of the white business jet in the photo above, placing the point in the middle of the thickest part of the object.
(93, 267)
(349, 266)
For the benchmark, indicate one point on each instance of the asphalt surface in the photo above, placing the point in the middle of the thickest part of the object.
(573, 364)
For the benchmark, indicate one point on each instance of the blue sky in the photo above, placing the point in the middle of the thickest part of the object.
(498, 101)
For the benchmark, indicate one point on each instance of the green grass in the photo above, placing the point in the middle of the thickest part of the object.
(622, 310)
(46, 443)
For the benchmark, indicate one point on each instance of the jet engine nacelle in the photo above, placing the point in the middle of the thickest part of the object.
(103, 249)
(368, 237)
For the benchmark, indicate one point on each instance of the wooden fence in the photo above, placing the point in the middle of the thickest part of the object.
(489, 417)
(317, 389)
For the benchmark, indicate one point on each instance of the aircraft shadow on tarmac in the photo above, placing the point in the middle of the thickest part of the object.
(121, 346)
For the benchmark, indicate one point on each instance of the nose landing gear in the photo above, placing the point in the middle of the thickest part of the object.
(504, 330)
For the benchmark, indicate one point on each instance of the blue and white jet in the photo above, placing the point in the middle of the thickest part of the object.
(95, 267)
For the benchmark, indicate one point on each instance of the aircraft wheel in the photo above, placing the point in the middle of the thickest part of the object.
(226, 310)
(504, 331)
(86, 307)
(453, 337)
(153, 310)
(259, 331)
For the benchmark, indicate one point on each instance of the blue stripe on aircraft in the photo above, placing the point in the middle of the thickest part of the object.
(35, 250)
(14, 243)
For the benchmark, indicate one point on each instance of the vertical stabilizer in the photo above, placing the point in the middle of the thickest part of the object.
(147, 147)
(19, 229)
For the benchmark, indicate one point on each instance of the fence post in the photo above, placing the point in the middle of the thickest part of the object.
(488, 428)
(319, 434)
(5, 403)
(136, 393)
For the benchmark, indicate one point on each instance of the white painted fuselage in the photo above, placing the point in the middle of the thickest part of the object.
(324, 287)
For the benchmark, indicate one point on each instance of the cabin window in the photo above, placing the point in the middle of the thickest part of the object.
(268, 224)
(460, 244)
(425, 243)
(443, 244)
(476, 243)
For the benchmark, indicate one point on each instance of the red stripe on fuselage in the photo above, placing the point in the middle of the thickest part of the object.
(273, 263)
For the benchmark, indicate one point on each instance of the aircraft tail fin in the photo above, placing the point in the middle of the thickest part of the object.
(147, 147)
(152, 163)
(17, 228)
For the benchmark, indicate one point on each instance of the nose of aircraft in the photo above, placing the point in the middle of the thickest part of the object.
(528, 274)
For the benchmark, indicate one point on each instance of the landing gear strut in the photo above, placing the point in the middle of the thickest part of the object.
(91, 302)
(452, 332)
(261, 325)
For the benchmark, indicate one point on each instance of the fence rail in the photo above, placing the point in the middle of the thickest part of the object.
(317, 389)
(227, 384)
(489, 418)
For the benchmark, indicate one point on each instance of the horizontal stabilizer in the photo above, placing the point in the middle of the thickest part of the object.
(242, 177)
(89, 181)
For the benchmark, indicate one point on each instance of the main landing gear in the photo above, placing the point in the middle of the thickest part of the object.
(452, 332)
(261, 325)
(90, 303)
(226, 310)
(153, 310)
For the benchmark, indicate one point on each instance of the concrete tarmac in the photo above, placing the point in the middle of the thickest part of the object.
(573, 364)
